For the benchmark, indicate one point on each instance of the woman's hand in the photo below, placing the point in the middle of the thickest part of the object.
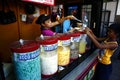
(70, 17)
(61, 20)
(72, 30)
(88, 30)
(65, 18)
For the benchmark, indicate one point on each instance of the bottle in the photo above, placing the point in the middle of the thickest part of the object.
(85, 22)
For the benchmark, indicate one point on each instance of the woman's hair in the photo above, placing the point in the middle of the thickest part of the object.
(42, 18)
(116, 28)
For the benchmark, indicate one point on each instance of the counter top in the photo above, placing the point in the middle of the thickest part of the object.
(73, 70)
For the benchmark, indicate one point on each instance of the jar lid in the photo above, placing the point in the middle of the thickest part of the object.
(82, 32)
(48, 41)
(26, 46)
(64, 37)
(75, 34)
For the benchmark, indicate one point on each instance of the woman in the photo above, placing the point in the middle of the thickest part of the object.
(107, 47)
(45, 21)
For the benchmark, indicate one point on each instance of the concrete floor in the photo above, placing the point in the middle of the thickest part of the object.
(116, 70)
(116, 66)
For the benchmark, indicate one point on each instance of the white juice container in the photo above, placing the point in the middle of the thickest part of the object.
(48, 56)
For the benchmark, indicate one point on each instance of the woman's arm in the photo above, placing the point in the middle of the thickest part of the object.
(61, 20)
(99, 45)
(98, 39)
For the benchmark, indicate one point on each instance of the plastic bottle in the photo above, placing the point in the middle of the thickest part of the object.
(85, 22)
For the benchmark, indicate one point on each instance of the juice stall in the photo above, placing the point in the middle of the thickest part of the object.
(81, 67)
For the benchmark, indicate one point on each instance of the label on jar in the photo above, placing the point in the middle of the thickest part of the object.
(66, 42)
(50, 47)
(26, 56)
(75, 39)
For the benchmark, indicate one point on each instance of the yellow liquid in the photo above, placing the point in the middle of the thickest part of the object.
(63, 55)
(82, 47)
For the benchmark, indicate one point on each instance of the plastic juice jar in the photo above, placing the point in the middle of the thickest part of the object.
(82, 43)
(74, 47)
(26, 60)
(49, 56)
(63, 50)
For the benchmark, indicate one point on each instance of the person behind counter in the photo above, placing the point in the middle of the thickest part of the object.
(107, 48)
(46, 24)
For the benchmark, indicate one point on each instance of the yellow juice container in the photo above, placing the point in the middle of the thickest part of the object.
(82, 46)
(64, 50)
(82, 43)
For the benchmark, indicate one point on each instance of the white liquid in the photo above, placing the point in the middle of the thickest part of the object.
(49, 64)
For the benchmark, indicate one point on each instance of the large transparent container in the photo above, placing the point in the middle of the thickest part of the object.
(49, 56)
(64, 50)
(74, 47)
(26, 60)
(82, 43)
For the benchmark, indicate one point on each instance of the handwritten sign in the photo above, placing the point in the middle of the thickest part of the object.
(47, 2)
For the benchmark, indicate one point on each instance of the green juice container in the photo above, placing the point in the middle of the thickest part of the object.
(26, 60)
